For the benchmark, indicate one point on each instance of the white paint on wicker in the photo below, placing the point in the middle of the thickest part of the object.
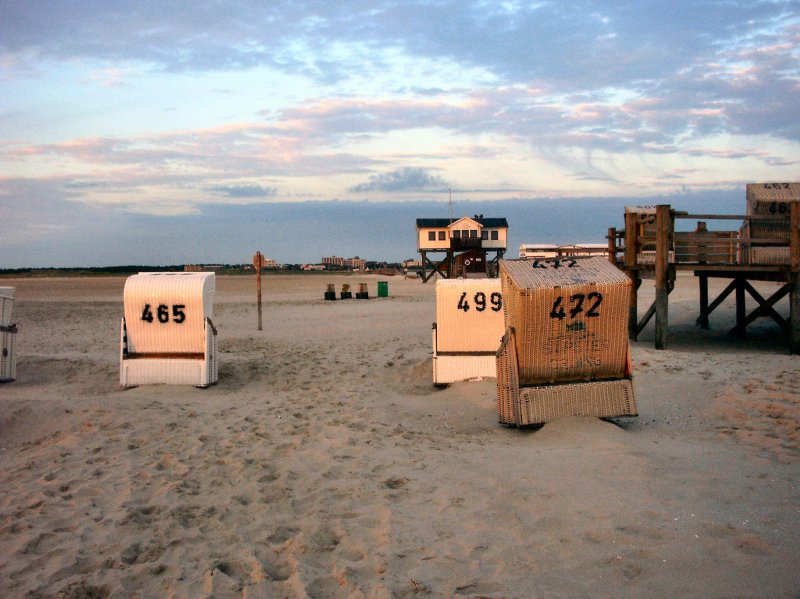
(469, 315)
(167, 335)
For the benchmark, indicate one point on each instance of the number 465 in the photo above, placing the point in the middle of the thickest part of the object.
(162, 313)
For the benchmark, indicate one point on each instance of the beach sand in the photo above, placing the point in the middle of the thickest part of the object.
(326, 464)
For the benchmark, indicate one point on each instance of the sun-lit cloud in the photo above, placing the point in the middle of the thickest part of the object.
(176, 109)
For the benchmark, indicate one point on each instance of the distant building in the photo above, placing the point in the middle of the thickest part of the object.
(356, 263)
(465, 243)
(333, 261)
(338, 262)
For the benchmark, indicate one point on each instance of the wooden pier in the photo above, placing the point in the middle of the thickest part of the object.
(651, 248)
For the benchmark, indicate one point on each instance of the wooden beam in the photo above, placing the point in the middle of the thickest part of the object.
(631, 250)
(720, 298)
(794, 276)
(612, 245)
(664, 227)
(765, 305)
(740, 330)
(702, 320)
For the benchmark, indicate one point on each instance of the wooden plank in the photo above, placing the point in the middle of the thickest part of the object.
(685, 215)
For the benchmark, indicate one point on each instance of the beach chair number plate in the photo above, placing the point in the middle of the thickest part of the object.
(479, 301)
(555, 263)
(576, 305)
(163, 314)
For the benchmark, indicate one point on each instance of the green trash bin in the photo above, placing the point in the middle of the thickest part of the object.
(383, 289)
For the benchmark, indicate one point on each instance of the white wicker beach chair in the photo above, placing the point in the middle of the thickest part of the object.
(8, 335)
(166, 334)
(468, 329)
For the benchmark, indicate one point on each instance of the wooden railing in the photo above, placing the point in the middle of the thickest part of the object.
(650, 247)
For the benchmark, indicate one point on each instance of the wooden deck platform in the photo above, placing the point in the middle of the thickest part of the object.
(651, 248)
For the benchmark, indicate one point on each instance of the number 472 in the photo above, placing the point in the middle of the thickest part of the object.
(163, 315)
(576, 305)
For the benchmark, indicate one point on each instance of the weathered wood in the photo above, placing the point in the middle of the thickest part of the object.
(631, 250)
(740, 330)
(794, 277)
(702, 320)
(720, 298)
(729, 216)
(765, 305)
(258, 263)
(664, 227)
(612, 245)
(711, 254)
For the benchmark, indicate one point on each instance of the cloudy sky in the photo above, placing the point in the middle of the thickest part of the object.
(164, 132)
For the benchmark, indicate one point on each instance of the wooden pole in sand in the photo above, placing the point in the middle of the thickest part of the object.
(258, 260)
(794, 276)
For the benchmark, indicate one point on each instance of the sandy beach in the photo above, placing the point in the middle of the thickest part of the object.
(326, 464)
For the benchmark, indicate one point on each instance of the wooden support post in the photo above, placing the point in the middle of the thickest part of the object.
(702, 320)
(794, 276)
(664, 229)
(631, 251)
(612, 245)
(258, 263)
(451, 265)
(740, 330)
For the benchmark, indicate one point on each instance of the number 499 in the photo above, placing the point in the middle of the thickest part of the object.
(495, 300)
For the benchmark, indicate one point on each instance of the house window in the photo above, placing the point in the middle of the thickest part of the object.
(442, 235)
(473, 233)
(484, 234)
(465, 233)
(495, 236)
(456, 234)
(431, 235)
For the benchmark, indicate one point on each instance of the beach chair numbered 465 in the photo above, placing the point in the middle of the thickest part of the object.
(166, 334)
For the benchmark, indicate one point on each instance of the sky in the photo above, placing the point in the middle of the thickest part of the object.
(142, 132)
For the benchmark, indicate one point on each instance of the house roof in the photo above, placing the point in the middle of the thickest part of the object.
(443, 223)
